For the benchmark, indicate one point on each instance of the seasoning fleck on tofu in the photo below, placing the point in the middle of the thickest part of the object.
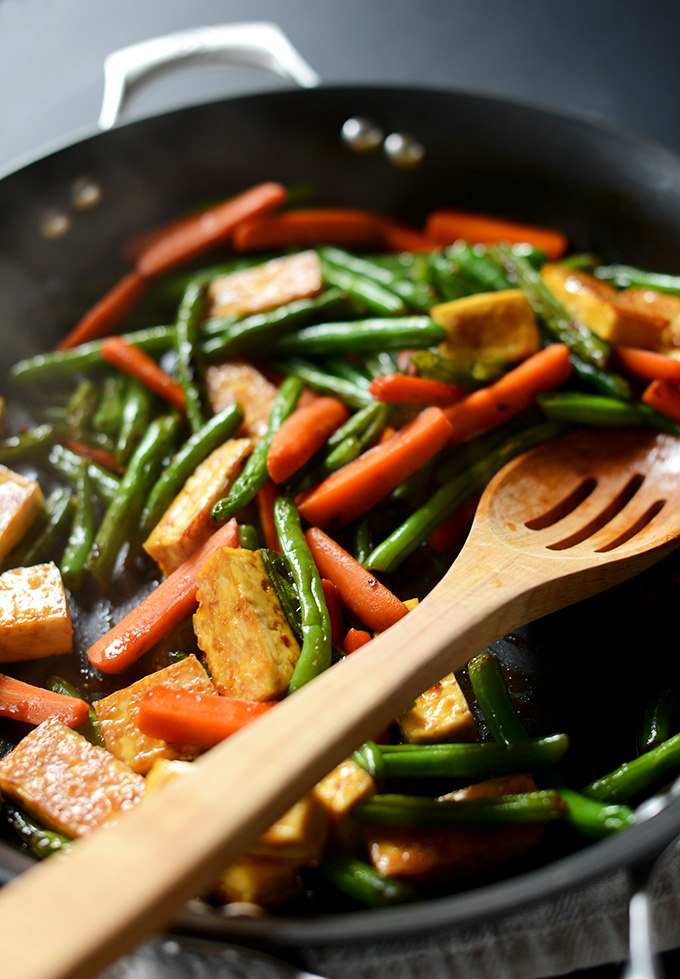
(432, 852)
(21, 501)
(241, 627)
(187, 523)
(602, 309)
(35, 619)
(117, 715)
(489, 326)
(66, 783)
(237, 380)
(338, 792)
(440, 714)
(265, 286)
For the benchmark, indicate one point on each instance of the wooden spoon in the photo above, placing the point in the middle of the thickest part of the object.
(563, 522)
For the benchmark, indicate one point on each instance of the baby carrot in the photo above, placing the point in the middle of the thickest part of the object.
(404, 390)
(105, 315)
(334, 606)
(24, 702)
(355, 639)
(446, 226)
(309, 226)
(648, 365)
(663, 397)
(135, 362)
(187, 717)
(265, 510)
(302, 434)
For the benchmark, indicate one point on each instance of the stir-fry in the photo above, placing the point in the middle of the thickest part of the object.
(228, 477)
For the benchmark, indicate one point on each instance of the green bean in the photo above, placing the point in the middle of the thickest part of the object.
(248, 537)
(51, 527)
(579, 262)
(135, 419)
(79, 544)
(194, 451)
(358, 336)
(81, 407)
(315, 655)
(254, 474)
(577, 408)
(67, 464)
(370, 758)
(366, 291)
(64, 363)
(438, 367)
(29, 443)
(278, 572)
(41, 842)
(380, 362)
(633, 776)
(122, 513)
(657, 718)
(90, 728)
(362, 538)
(407, 290)
(360, 881)
(341, 367)
(187, 325)
(478, 268)
(107, 418)
(624, 276)
(388, 555)
(373, 413)
(602, 382)
(324, 383)
(502, 810)
(447, 279)
(588, 346)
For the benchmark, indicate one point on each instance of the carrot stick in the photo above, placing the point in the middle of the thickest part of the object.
(309, 226)
(355, 639)
(386, 434)
(488, 407)
(446, 226)
(334, 606)
(398, 237)
(158, 614)
(214, 226)
(302, 434)
(361, 593)
(648, 365)
(400, 389)
(455, 528)
(265, 509)
(663, 397)
(24, 702)
(93, 452)
(346, 494)
(135, 362)
(186, 717)
(105, 316)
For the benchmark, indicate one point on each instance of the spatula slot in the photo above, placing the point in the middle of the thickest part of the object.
(565, 506)
(615, 505)
(634, 528)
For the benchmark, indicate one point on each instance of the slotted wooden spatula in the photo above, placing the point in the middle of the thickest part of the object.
(563, 522)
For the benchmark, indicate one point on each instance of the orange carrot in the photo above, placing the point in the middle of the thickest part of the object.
(265, 509)
(455, 528)
(346, 494)
(386, 434)
(402, 390)
(398, 237)
(355, 639)
(167, 605)
(101, 456)
(24, 702)
(664, 397)
(105, 316)
(214, 226)
(135, 362)
(302, 434)
(482, 410)
(186, 717)
(361, 593)
(309, 226)
(446, 226)
(334, 606)
(648, 365)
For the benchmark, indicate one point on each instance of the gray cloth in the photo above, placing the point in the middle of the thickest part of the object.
(581, 929)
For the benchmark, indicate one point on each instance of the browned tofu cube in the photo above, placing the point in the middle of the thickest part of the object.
(3, 413)
(187, 523)
(237, 380)
(241, 627)
(117, 715)
(35, 619)
(434, 852)
(341, 789)
(600, 307)
(265, 286)
(21, 501)
(258, 880)
(440, 714)
(65, 782)
(489, 326)
(660, 304)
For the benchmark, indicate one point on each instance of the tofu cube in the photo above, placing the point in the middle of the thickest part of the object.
(265, 286)
(258, 880)
(602, 309)
(66, 783)
(237, 380)
(433, 852)
(241, 628)
(3, 413)
(440, 714)
(35, 619)
(117, 715)
(21, 501)
(187, 523)
(660, 304)
(338, 792)
(489, 326)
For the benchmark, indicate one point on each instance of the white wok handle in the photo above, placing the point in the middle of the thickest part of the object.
(254, 45)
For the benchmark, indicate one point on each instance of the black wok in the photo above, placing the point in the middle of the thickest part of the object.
(610, 192)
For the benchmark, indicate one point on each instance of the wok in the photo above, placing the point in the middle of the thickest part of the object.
(612, 193)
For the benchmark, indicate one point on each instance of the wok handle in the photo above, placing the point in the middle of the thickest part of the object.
(254, 45)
